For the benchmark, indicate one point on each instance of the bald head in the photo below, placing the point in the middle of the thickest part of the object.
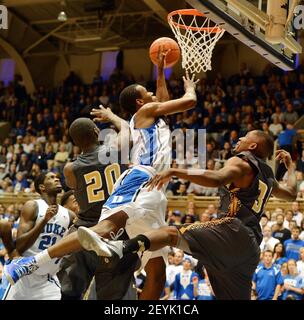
(258, 142)
(264, 142)
(84, 132)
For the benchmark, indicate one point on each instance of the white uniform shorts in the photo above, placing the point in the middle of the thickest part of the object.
(146, 209)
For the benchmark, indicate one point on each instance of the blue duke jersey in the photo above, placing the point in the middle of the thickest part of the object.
(150, 153)
(151, 146)
(53, 231)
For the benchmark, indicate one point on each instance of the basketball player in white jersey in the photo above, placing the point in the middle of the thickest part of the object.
(130, 205)
(42, 224)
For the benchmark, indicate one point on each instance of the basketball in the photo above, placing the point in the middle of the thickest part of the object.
(167, 44)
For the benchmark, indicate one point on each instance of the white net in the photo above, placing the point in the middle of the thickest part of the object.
(197, 36)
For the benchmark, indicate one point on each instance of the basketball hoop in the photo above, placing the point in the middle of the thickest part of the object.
(197, 36)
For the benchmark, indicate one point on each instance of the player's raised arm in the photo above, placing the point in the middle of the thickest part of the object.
(187, 102)
(234, 170)
(161, 86)
(106, 115)
(289, 192)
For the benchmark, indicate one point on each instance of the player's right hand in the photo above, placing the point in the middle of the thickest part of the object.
(284, 157)
(190, 83)
(161, 57)
(50, 212)
(159, 180)
(102, 114)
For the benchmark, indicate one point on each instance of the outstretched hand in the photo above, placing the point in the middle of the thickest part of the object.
(159, 180)
(102, 114)
(190, 83)
(161, 57)
(284, 157)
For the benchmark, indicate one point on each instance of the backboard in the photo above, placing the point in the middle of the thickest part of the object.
(260, 24)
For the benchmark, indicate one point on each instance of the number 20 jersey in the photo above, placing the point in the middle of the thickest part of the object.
(95, 181)
(53, 231)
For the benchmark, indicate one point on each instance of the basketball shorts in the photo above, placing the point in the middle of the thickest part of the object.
(76, 272)
(34, 287)
(146, 209)
(230, 253)
(78, 269)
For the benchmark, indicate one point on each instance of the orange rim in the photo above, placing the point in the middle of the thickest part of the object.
(190, 12)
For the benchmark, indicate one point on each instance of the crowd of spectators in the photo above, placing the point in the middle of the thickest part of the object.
(280, 275)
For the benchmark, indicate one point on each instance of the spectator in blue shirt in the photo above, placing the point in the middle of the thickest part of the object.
(202, 287)
(293, 245)
(285, 138)
(293, 284)
(183, 283)
(267, 279)
(20, 183)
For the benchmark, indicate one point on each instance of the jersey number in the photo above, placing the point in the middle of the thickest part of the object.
(46, 242)
(263, 188)
(94, 182)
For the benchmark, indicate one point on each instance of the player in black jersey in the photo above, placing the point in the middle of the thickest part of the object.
(92, 182)
(228, 247)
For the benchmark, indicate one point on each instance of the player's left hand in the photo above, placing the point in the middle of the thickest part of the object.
(284, 157)
(162, 53)
(159, 180)
(190, 82)
(102, 114)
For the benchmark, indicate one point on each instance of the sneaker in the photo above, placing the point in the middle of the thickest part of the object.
(19, 267)
(102, 247)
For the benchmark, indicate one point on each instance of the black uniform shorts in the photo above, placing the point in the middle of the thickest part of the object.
(230, 253)
(78, 269)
